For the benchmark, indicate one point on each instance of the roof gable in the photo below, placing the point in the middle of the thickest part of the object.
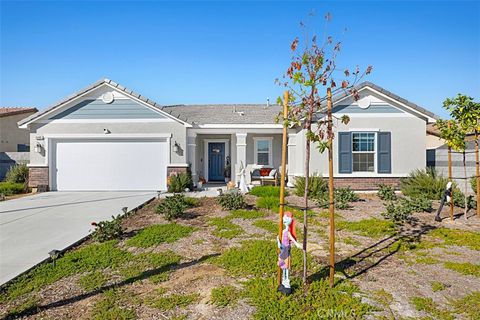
(75, 101)
(383, 101)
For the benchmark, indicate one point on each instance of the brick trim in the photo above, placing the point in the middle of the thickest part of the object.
(365, 184)
(37, 176)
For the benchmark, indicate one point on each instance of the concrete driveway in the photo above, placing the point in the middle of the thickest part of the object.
(32, 226)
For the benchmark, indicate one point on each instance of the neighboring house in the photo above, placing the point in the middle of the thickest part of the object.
(14, 142)
(107, 137)
(12, 138)
(437, 157)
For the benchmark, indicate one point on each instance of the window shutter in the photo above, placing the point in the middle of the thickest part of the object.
(344, 152)
(384, 152)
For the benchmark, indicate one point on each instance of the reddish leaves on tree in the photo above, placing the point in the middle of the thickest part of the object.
(344, 84)
(294, 44)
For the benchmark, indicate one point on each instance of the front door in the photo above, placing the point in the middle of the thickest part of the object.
(216, 161)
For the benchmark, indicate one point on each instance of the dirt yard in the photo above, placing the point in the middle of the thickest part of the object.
(216, 264)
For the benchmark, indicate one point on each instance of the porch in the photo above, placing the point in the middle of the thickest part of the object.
(216, 157)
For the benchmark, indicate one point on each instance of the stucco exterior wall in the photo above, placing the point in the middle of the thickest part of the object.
(177, 130)
(10, 134)
(407, 145)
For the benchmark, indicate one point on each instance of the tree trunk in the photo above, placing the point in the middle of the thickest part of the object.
(305, 203)
(465, 210)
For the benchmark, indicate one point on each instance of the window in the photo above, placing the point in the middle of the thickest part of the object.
(23, 148)
(363, 152)
(263, 151)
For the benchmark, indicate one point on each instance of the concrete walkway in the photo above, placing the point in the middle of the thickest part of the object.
(30, 227)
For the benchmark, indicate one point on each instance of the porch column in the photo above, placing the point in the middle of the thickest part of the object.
(192, 154)
(241, 154)
(291, 162)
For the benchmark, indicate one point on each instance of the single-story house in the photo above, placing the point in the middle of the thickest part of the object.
(107, 137)
(14, 142)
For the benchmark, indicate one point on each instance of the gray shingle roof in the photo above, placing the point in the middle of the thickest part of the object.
(226, 113)
(220, 113)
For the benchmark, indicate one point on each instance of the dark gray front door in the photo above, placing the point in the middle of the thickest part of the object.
(216, 161)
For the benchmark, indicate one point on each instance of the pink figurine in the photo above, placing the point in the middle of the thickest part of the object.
(289, 235)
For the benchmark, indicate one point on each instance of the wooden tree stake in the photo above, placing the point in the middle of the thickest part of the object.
(282, 174)
(450, 176)
(330, 187)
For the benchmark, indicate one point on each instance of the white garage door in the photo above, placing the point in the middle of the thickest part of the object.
(109, 164)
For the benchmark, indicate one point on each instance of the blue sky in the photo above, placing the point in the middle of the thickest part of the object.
(230, 52)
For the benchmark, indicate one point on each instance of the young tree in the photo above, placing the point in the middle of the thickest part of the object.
(454, 135)
(312, 70)
(467, 113)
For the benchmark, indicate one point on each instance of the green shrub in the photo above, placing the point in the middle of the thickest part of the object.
(342, 199)
(232, 200)
(17, 174)
(180, 181)
(459, 199)
(426, 183)
(270, 203)
(473, 184)
(397, 212)
(225, 295)
(191, 202)
(159, 233)
(9, 188)
(108, 230)
(386, 193)
(267, 191)
(316, 186)
(172, 207)
(402, 209)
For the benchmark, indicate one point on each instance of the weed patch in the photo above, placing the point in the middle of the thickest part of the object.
(374, 228)
(455, 237)
(270, 203)
(268, 225)
(437, 286)
(92, 280)
(267, 191)
(427, 305)
(225, 295)
(464, 268)
(247, 214)
(255, 257)
(469, 305)
(225, 228)
(320, 302)
(149, 262)
(159, 233)
(108, 308)
(173, 301)
(89, 258)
